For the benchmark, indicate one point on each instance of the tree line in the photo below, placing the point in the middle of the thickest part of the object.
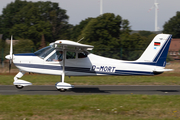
(36, 24)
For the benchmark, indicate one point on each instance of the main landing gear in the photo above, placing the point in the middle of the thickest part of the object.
(62, 86)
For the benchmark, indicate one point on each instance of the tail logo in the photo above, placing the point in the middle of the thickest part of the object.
(157, 43)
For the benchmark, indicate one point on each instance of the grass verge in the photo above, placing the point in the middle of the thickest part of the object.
(89, 107)
(37, 79)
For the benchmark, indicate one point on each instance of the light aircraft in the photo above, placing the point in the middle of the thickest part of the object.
(77, 61)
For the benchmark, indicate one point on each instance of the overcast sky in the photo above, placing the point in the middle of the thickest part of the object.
(136, 11)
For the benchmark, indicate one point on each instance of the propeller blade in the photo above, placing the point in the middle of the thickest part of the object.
(10, 65)
(11, 54)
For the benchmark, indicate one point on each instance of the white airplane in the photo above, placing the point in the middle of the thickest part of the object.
(77, 61)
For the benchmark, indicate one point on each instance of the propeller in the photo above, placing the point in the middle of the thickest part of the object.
(10, 56)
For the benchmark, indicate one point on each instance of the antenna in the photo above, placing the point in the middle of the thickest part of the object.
(101, 7)
(80, 40)
(156, 14)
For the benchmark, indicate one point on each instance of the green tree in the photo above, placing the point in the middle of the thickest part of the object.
(41, 30)
(7, 18)
(125, 29)
(35, 21)
(3, 47)
(133, 46)
(173, 26)
(79, 28)
(103, 32)
(145, 33)
(28, 46)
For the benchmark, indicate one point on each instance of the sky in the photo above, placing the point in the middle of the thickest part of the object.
(135, 11)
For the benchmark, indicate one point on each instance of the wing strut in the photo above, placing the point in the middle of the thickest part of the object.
(63, 72)
(62, 86)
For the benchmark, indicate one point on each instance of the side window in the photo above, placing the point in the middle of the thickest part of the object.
(44, 52)
(57, 56)
(70, 55)
(82, 55)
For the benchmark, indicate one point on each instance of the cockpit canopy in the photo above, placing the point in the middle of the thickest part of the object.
(42, 53)
(51, 53)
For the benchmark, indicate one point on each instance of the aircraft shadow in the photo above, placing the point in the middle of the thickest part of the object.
(109, 91)
(87, 90)
(143, 91)
(168, 90)
(97, 90)
(76, 90)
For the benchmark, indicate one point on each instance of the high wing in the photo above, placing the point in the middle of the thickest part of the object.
(67, 44)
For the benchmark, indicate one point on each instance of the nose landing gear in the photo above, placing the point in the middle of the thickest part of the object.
(20, 83)
(19, 86)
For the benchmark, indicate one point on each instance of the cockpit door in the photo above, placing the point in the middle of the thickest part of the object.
(53, 62)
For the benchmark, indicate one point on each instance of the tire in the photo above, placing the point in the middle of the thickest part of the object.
(19, 86)
(62, 90)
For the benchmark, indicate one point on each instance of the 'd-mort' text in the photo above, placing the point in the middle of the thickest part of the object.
(103, 68)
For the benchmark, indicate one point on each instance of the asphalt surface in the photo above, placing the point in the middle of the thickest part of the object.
(88, 90)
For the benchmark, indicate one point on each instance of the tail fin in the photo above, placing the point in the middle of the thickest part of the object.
(157, 50)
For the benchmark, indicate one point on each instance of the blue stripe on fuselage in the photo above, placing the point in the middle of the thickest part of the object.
(25, 54)
(84, 70)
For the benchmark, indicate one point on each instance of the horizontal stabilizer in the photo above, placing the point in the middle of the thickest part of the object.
(162, 70)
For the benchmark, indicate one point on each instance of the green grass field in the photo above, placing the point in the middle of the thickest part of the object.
(92, 107)
(89, 107)
(37, 79)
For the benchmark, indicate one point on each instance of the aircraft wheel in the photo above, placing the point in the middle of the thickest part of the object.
(62, 90)
(19, 86)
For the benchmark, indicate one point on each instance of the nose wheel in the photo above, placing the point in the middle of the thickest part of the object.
(19, 86)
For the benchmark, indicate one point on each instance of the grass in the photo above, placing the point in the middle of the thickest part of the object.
(92, 107)
(89, 107)
(37, 79)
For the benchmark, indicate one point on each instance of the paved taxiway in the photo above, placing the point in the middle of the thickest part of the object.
(96, 89)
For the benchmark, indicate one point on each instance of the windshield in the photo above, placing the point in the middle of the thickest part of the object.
(42, 53)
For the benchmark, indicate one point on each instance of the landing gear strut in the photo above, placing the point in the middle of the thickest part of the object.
(62, 86)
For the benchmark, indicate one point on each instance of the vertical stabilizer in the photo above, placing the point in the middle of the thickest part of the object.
(157, 50)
